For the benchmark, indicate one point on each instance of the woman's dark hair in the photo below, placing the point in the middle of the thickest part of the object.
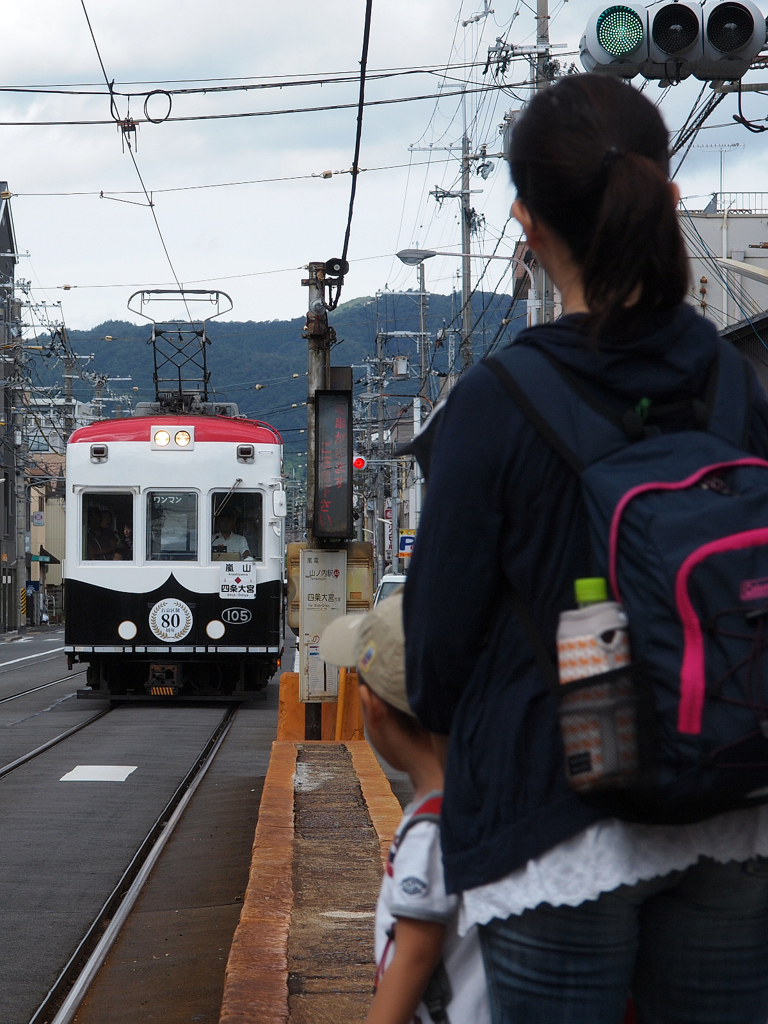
(589, 157)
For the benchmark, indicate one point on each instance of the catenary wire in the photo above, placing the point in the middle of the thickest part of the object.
(127, 140)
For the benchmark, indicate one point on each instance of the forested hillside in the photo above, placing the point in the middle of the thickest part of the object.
(243, 355)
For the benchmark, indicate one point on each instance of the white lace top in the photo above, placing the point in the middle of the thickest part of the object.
(613, 853)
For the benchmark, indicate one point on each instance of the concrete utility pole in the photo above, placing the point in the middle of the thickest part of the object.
(20, 572)
(422, 332)
(69, 403)
(381, 536)
(544, 288)
(318, 338)
(466, 257)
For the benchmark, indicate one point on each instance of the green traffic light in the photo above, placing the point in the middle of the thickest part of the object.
(620, 30)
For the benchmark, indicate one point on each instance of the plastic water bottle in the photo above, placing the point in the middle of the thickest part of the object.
(598, 701)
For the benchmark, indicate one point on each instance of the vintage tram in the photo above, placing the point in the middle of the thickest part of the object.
(175, 548)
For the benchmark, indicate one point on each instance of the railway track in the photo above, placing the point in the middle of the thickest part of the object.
(64, 997)
(41, 686)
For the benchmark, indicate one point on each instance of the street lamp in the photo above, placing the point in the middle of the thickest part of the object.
(415, 257)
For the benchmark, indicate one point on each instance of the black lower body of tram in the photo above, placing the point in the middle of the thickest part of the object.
(234, 666)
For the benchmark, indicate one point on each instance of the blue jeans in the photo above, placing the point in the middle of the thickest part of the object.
(692, 947)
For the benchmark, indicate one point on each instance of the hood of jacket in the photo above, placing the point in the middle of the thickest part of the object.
(672, 358)
(669, 360)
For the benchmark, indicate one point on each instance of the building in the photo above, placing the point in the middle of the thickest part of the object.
(732, 226)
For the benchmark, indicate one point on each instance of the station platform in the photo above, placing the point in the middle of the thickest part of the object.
(303, 949)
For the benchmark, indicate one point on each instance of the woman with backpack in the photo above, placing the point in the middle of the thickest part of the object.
(582, 898)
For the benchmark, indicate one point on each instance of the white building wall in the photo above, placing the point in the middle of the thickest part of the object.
(739, 233)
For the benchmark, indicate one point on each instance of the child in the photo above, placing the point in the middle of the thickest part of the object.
(425, 973)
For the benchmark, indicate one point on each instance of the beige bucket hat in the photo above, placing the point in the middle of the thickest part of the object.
(374, 643)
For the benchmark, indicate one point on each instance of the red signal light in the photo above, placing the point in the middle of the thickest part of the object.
(359, 462)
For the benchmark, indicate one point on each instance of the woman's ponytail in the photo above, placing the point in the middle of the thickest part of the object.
(636, 261)
(589, 157)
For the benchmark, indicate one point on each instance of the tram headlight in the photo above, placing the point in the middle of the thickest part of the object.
(162, 438)
(182, 438)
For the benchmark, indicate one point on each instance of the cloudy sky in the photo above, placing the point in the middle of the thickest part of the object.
(251, 240)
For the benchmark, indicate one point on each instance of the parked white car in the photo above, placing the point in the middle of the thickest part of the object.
(388, 586)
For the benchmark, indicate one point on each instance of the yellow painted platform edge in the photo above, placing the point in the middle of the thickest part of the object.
(256, 979)
(383, 806)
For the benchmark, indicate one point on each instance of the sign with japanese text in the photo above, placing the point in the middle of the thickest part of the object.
(333, 464)
(323, 598)
(237, 581)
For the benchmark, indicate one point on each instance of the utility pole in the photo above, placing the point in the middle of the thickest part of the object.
(20, 570)
(381, 536)
(69, 403)
(422, 332)
(466, 256)
(544, 289)
(318, 336)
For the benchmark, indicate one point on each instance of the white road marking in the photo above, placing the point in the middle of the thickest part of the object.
(99, 773)
(41, 654)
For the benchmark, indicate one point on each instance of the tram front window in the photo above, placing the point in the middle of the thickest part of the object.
(237, 526)
(107, 527)
(172, 526)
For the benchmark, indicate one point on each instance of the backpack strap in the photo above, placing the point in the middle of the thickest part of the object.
(428, 810)
(560, 405)
(438, 993)
(554, 408)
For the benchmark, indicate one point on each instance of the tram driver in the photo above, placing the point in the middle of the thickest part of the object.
(227, 543)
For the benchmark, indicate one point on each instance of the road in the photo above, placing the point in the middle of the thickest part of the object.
(74, 816)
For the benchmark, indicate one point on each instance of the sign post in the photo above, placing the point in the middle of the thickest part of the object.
(323, 599)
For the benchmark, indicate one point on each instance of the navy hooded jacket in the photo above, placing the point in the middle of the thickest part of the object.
(501, 504)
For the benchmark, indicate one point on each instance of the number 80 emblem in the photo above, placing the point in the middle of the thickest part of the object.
(170, 619)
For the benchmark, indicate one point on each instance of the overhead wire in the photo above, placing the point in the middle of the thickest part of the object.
(109, 193)
(259, 81)
(249, 113)
(127, 140)
(333, 303)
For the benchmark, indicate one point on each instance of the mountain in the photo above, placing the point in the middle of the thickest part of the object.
(273, 353)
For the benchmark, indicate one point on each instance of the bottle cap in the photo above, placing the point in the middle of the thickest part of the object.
(590, 590)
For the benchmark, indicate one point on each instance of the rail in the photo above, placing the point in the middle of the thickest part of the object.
(68, 991)
(736, 203)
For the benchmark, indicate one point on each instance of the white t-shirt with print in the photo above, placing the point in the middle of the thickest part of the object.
(414, 887)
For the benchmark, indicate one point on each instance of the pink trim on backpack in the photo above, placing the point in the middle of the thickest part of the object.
(692, 678)
(679, 485)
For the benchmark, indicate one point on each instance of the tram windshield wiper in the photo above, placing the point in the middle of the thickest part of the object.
(227, 496)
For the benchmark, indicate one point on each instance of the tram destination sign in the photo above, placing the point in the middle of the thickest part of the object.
(237, 581)
(333, 465)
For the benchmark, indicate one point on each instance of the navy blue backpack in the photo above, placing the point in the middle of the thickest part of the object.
(678, 525)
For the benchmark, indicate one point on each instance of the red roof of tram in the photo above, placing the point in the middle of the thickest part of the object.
(207, 428)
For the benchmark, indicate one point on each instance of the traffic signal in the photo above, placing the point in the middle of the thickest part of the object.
(674, 41)
(734, 34)
(615, 40)
(359, 462)
(716, 40)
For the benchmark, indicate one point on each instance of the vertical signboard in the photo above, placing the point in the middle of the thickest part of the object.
(407, 537)
(333, 464)
(323, 598)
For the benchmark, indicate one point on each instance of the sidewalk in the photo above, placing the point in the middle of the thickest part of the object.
(303, 950)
